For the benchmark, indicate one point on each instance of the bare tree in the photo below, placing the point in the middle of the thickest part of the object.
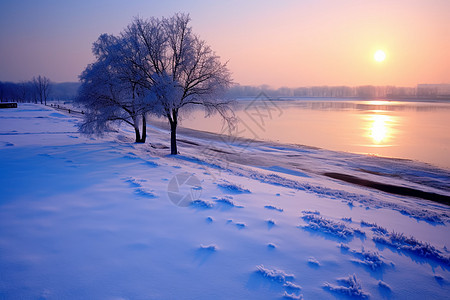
(155, 66)
(25, 90)
(42, 88)
(109, 93)
(181, 70)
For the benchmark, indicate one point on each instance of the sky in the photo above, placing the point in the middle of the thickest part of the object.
(286, 43)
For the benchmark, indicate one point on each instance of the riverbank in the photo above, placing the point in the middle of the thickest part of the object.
(85, 217)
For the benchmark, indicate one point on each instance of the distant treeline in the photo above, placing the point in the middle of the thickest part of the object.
(23, 92)
(365, 91)
(33, 90)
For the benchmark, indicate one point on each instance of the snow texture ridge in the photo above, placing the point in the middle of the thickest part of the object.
(350, 287)
(409, 244)
(321, 224)
(233, 188)
(273, 274)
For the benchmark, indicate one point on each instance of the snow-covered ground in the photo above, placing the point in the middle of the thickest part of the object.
(105, 218)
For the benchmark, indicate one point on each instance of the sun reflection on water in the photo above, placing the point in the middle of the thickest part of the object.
(380, 129)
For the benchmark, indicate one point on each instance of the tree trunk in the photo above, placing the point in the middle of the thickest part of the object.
(144, 129)
(140, 138)
(173, 120)
(173, 138)
(138, 134)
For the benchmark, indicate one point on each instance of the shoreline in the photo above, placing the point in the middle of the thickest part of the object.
(394, 176)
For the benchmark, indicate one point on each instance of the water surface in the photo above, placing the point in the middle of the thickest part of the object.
(400, 129)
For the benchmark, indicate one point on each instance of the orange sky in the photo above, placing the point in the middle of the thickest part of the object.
(280, 43)
(333, 42)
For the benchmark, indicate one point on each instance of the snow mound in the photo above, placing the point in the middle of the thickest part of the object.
(286, 295)
(311, 212)
(202, 204)
(151, 164)
(270, 223)
(198, 161)
(384, 285)
(274, 275)
(271, 207)
(271, 246)
(228, 203)
(313, 262)
(350, 198)
(144, 193)
(410, 244)
(344, 247)
(233, 188)
(321, 224)
(351, 287)
(133, 182)
(292, 286)
(374, 227)
(239, 225)
(424, 214)
(210, 248)
(369, 258)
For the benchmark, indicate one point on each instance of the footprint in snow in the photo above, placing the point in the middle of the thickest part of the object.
(271, 207)
(144, 193)
(201, 204)
(313, 262)
(239, 225)
(204, 252)
(208, 248)
(270, 224)
(150, 164)
(227, 203)
(271, 246)
(133, 182)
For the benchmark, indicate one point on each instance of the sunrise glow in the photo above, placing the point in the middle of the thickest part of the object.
(379, 56)
(224, 149)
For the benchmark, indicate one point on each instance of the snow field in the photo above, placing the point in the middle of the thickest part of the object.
(88, 217)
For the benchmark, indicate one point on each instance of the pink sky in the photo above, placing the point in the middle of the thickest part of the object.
(279, 43)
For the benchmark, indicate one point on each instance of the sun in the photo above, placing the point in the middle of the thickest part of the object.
(379, 56)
